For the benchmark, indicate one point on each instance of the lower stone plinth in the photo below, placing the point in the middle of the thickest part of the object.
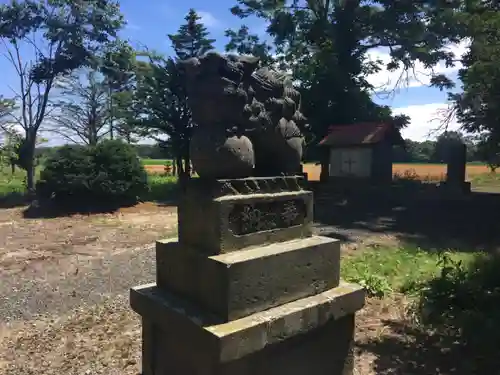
(454, 190)
(313, 335)
(241, 283)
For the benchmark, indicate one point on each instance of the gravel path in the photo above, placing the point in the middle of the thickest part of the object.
(86, 282)
(57, 288)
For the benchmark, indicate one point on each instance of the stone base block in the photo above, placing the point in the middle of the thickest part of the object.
(454, 189)
(312, 336)
(241, 283)
(220, 216)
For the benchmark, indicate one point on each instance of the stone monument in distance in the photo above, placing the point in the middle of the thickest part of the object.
(246, 288)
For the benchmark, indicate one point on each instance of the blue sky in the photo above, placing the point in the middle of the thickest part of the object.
(150, 21)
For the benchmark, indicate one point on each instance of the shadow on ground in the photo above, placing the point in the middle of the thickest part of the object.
(49, 210)
(462, 225)
(456, 330)
(13, 200)
(417, 351)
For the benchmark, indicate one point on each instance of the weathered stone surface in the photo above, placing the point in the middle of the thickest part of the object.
(237, 284)
(228, 92)
(216, 188)
(456, 163)
(217, 154)
(308, 336)
(235, 221)
(327, 350)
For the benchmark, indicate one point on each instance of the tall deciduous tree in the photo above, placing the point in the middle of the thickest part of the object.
(82, 112)
(326, 43)
(61, 36)
(243, 42)
(478, 107)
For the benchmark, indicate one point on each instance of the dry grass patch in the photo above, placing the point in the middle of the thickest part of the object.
(32, 243)
(106, 339)
(103, 339)
(424, 172)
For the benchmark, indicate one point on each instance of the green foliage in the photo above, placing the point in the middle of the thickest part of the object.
(486, 180)
(464, 298)
(65, 35)
(161, 93)
(70, 28)
(156, 162)
(152, 152)
(11, 183)
(7, 106)
(435, 151)
(477, 107)
(106, 175)
(164, 105)
(191, 39)
(488, 150)
(162, 188)
(243, 42)
(384, 270)
(455, 294)
(9, 149)
(443, 143)
(118, 63)
(325, 45)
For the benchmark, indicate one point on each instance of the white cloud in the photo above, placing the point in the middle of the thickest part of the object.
(385, 80)
(208, 19)
(425, 119)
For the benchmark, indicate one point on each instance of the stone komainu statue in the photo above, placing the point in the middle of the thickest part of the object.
(248, 118)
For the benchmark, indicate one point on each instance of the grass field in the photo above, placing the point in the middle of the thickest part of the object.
(425, 172)
(161, 162)
(161, 184)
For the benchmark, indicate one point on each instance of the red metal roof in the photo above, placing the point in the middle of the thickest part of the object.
(356, 134)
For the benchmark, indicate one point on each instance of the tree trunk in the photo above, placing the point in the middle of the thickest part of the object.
(12, 167)
(30, 177)
(178, 162)
(187, 165)
(26, 159)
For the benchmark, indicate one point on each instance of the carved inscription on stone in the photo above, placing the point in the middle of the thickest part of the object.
(263, 216)
(260, 185)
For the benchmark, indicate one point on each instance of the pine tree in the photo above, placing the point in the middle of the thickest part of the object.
(191, 39)
(163, 95)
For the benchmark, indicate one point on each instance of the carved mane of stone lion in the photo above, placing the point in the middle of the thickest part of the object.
(250, 115)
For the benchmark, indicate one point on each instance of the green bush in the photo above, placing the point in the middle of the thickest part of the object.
(107, 175)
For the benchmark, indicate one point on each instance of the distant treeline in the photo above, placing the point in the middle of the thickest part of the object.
(431, 152)
(413, 152)
(143, 151)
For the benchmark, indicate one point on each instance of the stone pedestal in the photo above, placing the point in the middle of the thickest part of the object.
(246, 288)
(455, 185)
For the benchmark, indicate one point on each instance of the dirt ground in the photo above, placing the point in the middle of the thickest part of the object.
(32, 243)
(425, 171)
(104, 337)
